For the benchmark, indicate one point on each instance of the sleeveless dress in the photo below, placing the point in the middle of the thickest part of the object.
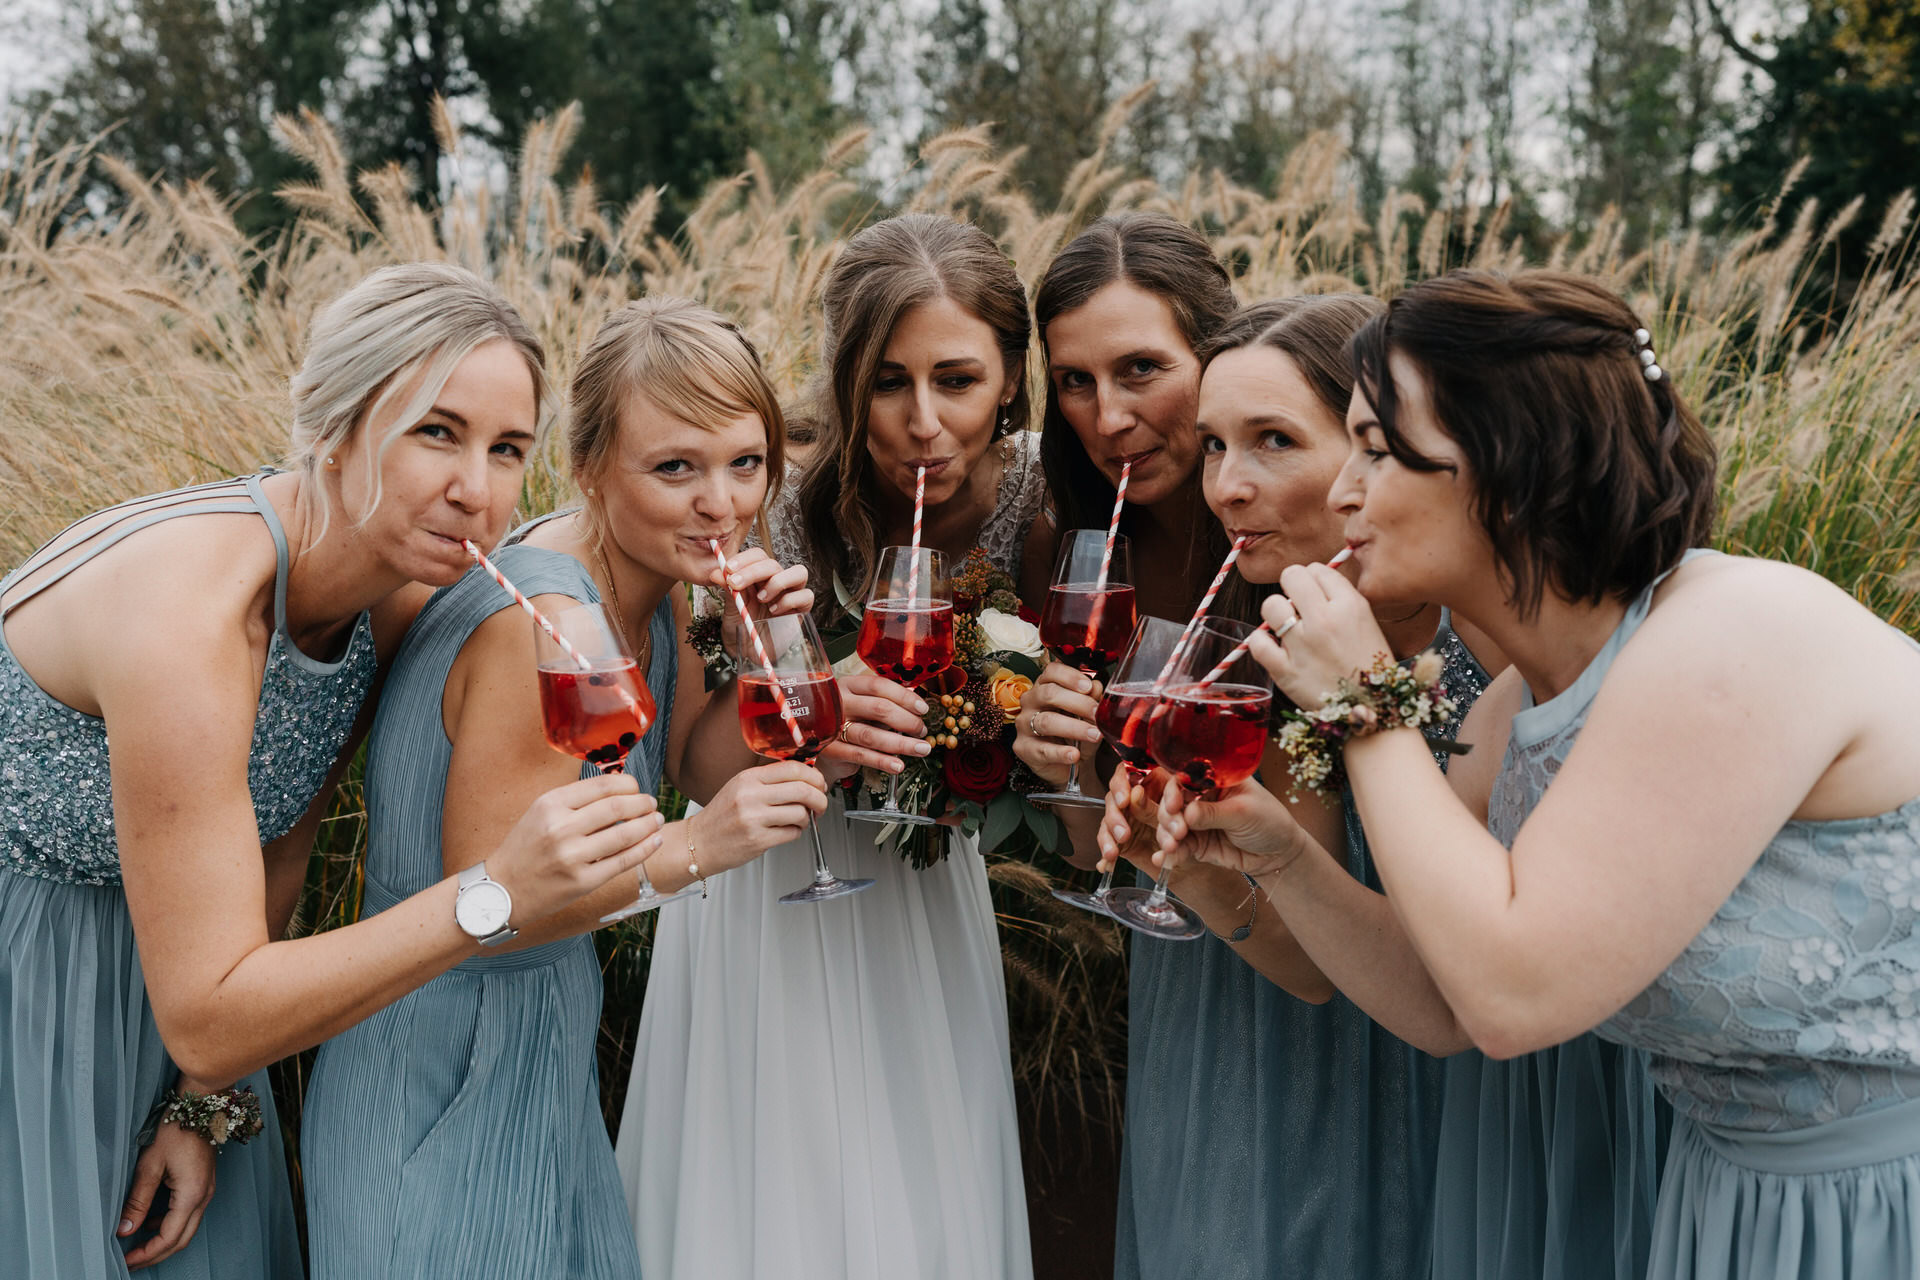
(1266, 1136)
(457, 1132)
(1784, 1035)
(81, 1061)
(825, 1092)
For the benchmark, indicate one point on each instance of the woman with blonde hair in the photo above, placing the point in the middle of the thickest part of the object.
(458, 1131)
(825, 1090)
(180, 680)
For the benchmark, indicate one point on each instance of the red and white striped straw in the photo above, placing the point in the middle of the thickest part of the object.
(1185, 641)
(1113, 525)
(760, 649)
(1341, 557)
(539, 619)
(919, 511)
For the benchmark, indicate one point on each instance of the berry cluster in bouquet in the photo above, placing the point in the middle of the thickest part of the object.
(970, 780)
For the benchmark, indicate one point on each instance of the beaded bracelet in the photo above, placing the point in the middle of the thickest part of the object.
(231, 1115)
(1383, 696)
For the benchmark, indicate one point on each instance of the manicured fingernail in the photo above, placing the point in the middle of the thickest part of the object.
(923, 747)
(920, 706)
(126, 1225)
(894, 766)
(1086, 685)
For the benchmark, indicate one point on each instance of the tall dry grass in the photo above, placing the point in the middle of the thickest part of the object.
(153, 349)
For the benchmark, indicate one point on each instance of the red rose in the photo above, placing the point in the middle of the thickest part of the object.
(977, 773)
(1028, 615)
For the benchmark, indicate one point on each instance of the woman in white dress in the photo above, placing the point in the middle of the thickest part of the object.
(825, 1090)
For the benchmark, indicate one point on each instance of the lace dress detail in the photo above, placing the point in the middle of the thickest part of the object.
(1796, 1003)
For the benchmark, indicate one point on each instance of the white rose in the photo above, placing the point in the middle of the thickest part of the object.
(851, 665)
(1010, 634)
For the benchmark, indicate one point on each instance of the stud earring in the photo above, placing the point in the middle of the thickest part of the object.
(329, 461)
(589, 492)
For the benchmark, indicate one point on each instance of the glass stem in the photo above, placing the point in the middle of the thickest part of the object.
(893, 792)
(1158, 898)
(646, 885)
(820, 873)
(1105, 886)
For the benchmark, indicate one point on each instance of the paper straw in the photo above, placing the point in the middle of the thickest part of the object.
(760, 649)
(480, 559)
(1185, 641)
(919, 510)
(1239, 650)
(1113, 525)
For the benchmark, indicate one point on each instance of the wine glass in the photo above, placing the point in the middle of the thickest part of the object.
(790, 710)
(1123, 715)
(1086, 622)
(1209, 732)
(596, 712)
(906, 635)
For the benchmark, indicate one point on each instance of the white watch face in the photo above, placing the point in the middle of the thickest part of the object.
(482, 908)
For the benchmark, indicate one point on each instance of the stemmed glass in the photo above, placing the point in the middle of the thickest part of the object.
(1210, 736)
(906, 635)
(596, 714)
(1122, 716)
(1088, 617)
(801, 675)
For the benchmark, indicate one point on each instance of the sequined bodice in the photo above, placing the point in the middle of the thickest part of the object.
(1796, 1004)
(56, 792)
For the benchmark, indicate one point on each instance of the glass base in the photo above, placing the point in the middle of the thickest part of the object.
(1172, 919)
(1086, 900)
(821, 890)
(1069, 799)
(650, 901)
(891, 815)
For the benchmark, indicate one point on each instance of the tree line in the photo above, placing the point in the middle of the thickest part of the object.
(1675, 113)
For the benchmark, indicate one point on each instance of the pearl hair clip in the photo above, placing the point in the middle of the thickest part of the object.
(1643, 343)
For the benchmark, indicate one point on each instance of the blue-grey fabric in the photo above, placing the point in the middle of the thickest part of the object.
(81, 1061)
(457, 1132)
(1268, 1137)
(1784, 1035)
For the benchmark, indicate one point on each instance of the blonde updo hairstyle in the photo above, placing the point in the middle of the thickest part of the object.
(404, 326)
(691, 362)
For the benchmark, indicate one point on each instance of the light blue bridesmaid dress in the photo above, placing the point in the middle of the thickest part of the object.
(1269, 1137)
(457, 1132)
(81, 1062)
(1785, 1036)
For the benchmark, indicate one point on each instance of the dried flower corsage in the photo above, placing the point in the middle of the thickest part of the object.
(1383, 696)
(231, 1115)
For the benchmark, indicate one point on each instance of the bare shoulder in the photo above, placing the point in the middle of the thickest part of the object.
(1766, 616)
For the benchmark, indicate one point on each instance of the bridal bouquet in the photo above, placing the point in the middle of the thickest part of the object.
(970, 779)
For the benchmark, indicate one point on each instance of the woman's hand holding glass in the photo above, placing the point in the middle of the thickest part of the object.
(1325, 630)
(1055, 714)
(572, 840)
(758, 809)
(1246, 829)
(1128, 827)
(771, 588)
(884, 723)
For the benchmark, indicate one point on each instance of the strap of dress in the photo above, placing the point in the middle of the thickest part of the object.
(280, 557)
(218, 496)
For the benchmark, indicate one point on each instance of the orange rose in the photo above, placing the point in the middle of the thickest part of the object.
(1008, 687)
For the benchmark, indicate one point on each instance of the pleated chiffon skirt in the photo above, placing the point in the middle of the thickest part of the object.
(1549, 1165)
(81, 1067)
(825, 1092)
(1838, 1201)
(457, 1132)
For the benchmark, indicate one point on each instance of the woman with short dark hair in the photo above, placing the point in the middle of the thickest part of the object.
(1703, 839)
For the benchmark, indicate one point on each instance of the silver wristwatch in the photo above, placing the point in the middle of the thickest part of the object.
(484, 907)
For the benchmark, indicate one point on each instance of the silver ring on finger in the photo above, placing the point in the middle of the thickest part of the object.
(1289, 625)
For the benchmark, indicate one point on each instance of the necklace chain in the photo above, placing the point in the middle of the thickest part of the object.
(643, 654)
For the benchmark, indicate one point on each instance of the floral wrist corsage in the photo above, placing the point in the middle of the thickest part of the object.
(1383, 696)
(231, 1115)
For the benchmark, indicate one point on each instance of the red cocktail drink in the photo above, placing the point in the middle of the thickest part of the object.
(907, 643)
(1211, 737)
(595, 715)
(1088, 626)
(813, 699)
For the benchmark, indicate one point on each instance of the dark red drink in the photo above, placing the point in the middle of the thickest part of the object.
(1122, 717)
(814, 700)
(1210, 738)
(595, 715)
(907, 643)
(1088, 626)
